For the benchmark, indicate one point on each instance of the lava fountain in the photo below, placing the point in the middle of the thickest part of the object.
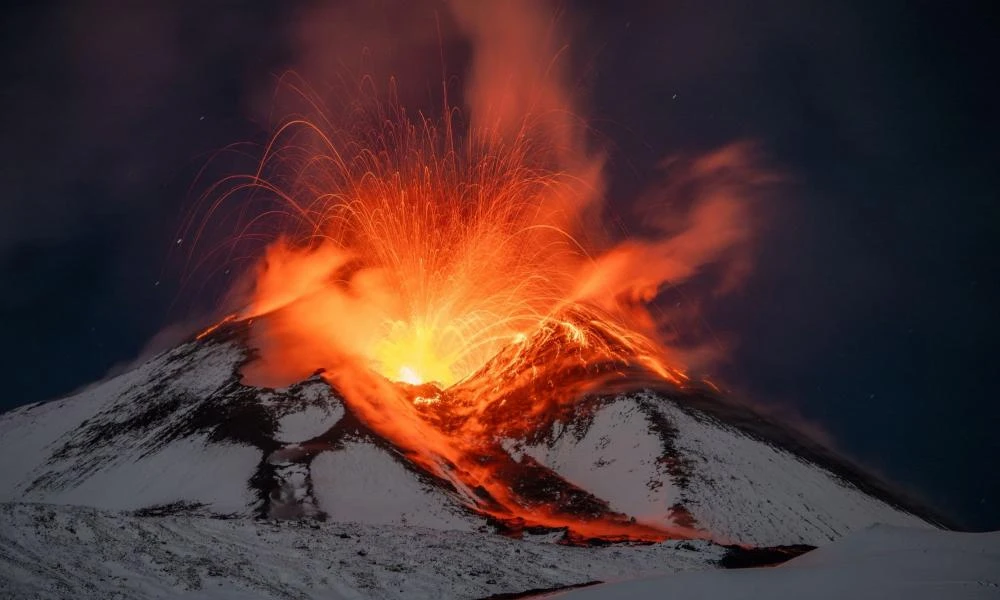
(449, 278)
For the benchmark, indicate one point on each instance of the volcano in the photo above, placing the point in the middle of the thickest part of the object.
(180, 475)
(183, 434)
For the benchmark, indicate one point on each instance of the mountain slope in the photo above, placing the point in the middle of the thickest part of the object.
(182, 434)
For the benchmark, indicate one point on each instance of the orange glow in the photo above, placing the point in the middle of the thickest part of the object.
(452, 279)
(208, 330)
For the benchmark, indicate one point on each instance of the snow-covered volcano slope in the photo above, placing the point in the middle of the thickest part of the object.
(182, 434)
(665, 461)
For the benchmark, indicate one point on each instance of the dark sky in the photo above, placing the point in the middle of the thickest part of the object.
(871, 307)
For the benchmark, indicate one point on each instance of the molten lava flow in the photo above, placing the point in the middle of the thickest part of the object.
(212, 328)
(449, 279)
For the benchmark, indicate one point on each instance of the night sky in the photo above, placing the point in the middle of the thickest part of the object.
(870, 312)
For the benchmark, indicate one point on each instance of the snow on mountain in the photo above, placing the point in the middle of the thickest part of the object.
(121, 444)
(873, 564)
(364, 483)
(55, 552)
(616, 455)
(652, 459)
(318, 415)
(182, 431)
(756, 493)
(178, 479)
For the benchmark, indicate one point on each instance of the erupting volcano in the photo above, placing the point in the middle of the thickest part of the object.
(450, 277)
(452, 316)
(438, 284)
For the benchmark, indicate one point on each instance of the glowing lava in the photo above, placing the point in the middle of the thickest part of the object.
(422, 250)
(423, 261)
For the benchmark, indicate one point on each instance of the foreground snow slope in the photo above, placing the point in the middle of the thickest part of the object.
(880, 562)
(57, 552)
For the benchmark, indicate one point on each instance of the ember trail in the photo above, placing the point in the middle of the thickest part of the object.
(421, 260)
(451, 278)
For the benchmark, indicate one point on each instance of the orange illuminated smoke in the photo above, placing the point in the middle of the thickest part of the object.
(449, 278)
(422, 261)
